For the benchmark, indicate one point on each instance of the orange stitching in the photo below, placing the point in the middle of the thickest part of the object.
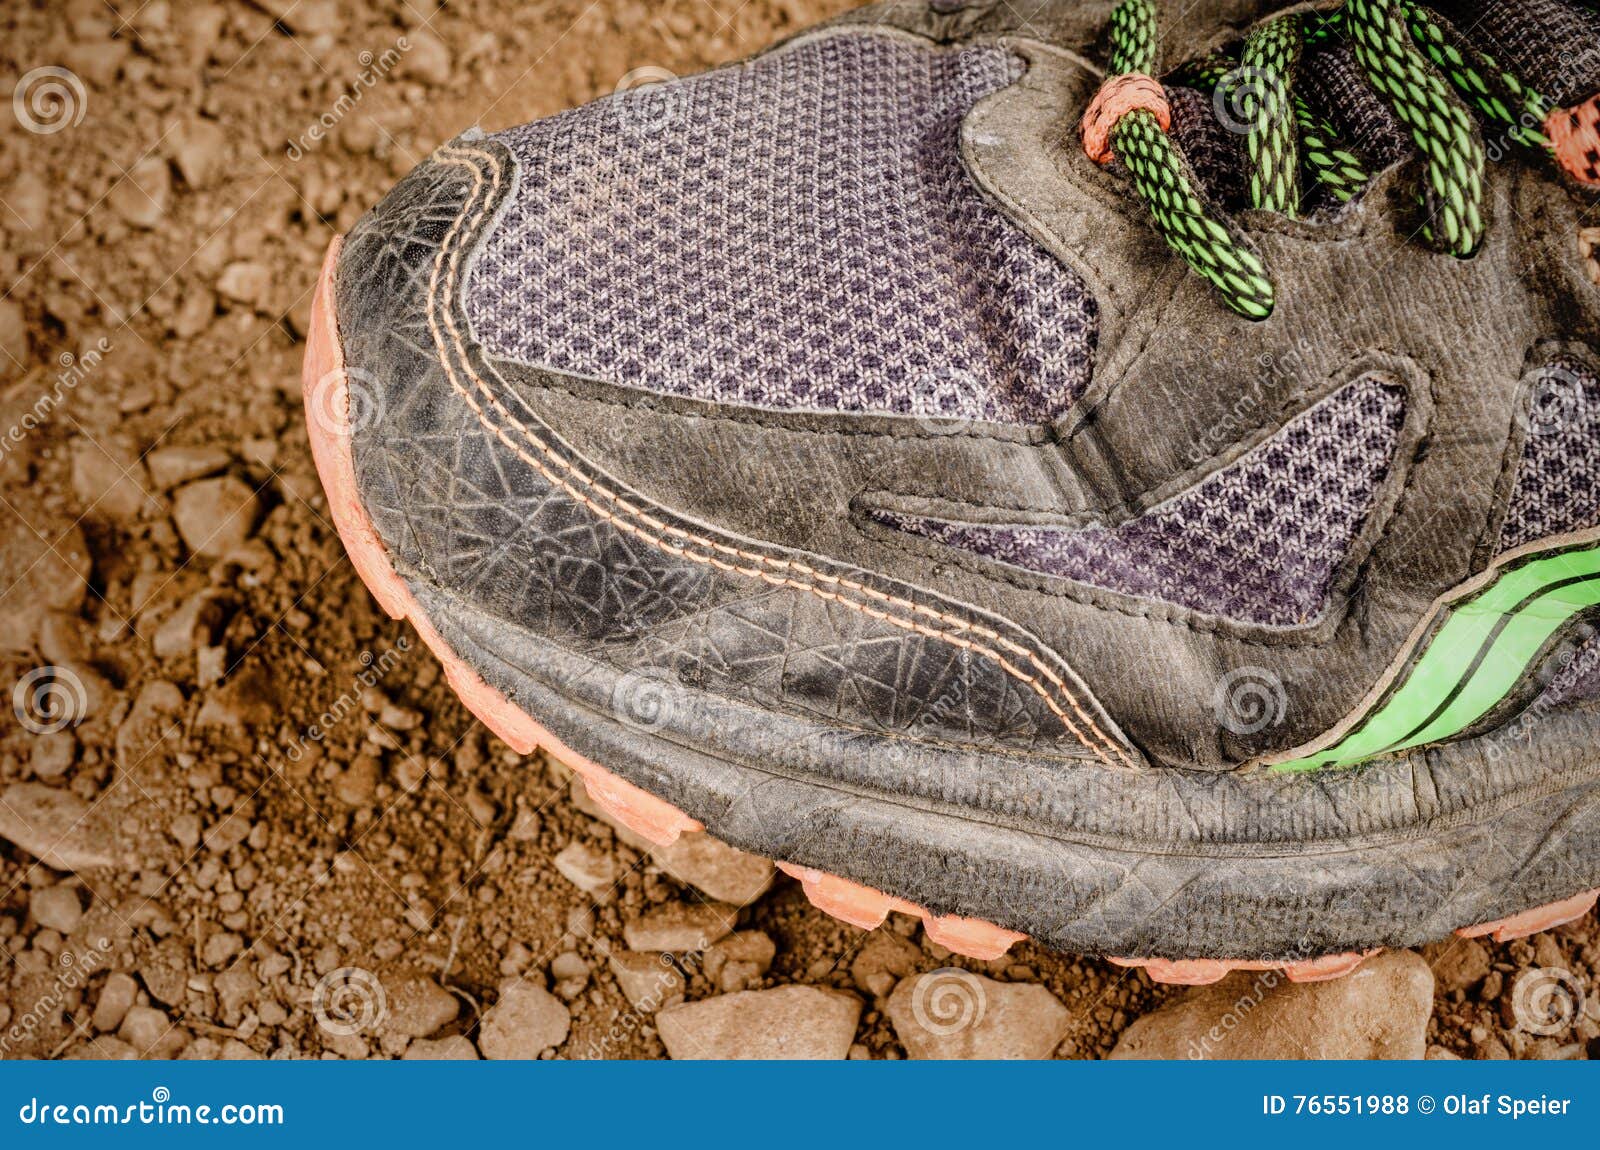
(1102, 740)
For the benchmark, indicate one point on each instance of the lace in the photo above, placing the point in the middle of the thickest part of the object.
(1423, 68)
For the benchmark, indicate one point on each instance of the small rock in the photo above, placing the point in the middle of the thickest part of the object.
(648, 981)
(13, 340)
(54, 826)
(591, 871)
(1458, 963)
(51, 754)
(429, 59)
(452, 1049)
(221, 948)
(171, 466)
(1380, 1010)
(739, 961)
(418, 1006)
(790, 1022)
(247, 283)
(568, 964)
(680, 928)
(525, 1021)
(710, 865)
(141, 196)
(102, 1048)
(357, 785)
(200, 148)
(953, 1013)
(885, 954)
(151, 1033)
(117, 997)
(214, 516)
(108, 481)
(56, 907)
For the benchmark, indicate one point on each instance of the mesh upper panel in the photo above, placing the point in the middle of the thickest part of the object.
(1557, 484)
(796, 233)
(1259, 541)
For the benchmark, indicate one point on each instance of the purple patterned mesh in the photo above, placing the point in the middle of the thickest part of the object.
(797, 233)
(1557, 484)
(1259, 541)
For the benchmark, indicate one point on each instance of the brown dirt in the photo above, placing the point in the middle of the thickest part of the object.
(285, 784)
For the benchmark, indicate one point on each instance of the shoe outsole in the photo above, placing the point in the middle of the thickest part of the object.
(328, 423)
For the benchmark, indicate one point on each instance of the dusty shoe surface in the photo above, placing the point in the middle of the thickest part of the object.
(1007, 465)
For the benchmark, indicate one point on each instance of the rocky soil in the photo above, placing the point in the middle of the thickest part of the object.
(241, 815)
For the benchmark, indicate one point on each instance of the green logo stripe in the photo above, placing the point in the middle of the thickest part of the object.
(1474, 660)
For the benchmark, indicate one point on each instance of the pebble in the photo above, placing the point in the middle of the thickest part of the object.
(13, 339)
(108, 481)
(712, 866)
(740, 961)
(54, 826)
(526, 1021)
(117, 997)
(221, 948)
(51, 754)
(680, 927)
(247, 283)
(429, 59)
(172, 466)
(953, 1013)
(213, 516)
(648, 981)
(1458, 963)
(151, 1033)
(56, 907)
(452, 1049)
(590, 870)
(53, 578)
(418, 1006)
(140, 197)
(1380, 1010)
(357, 785)
(790, 1022)
(883, 960)
(200, 149)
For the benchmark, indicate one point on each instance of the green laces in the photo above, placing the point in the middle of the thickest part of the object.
(1413, 60)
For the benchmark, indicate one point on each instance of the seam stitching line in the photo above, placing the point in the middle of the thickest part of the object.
(474, 213)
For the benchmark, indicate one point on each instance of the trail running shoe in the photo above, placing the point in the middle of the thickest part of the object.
(1122, 477)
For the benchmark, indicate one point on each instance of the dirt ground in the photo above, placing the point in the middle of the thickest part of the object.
(272, 812)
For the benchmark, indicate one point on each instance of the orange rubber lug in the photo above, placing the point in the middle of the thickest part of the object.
(1532, 921)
